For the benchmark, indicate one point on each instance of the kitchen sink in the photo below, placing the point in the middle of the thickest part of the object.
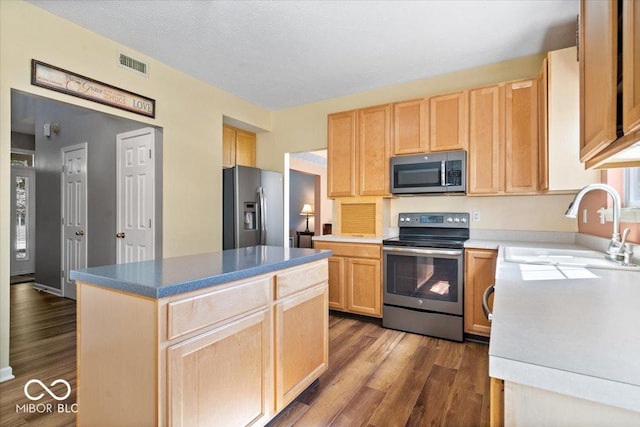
(563, 257)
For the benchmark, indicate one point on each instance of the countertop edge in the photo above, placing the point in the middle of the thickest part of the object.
(196, 284)
(578, 385)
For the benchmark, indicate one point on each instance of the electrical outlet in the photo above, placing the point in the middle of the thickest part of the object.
(475, 215)
(584, 216)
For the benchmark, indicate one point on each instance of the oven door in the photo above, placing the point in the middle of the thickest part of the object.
(423, 278)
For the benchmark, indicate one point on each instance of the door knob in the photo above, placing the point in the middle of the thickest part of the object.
(120, 235)
(80, 233)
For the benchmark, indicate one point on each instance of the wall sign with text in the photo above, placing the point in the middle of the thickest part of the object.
(54, 78)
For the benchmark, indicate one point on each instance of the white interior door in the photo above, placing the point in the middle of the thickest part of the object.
(23, 214)
(136, 200)
(74, 214)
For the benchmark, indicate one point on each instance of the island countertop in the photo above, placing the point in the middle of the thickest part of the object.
(172, 276)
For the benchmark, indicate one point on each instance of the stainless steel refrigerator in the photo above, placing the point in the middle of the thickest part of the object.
(253, 207)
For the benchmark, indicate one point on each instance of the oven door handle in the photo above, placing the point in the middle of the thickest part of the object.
(419, 251)
(485, 302)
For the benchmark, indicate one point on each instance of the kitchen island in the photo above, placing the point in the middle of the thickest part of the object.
(223, 338)
(565, 342)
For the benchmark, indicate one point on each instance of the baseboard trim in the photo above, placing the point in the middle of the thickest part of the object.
(6, 374)
(48, 289)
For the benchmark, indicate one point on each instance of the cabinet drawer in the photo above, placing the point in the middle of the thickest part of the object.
(297, 279)
(193, 313)
(357, 250)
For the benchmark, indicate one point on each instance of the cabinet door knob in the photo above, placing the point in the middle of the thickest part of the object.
(120, 235)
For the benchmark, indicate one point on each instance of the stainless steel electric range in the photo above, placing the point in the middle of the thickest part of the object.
(423, 272)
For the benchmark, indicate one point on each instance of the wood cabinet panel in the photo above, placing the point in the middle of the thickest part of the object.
(193, 313)
(238, 147)
(337, 284)
(374, 146)
(228, 366)
(302, 351)
(543, 137)
(245, 148)
(521, 136)
(410, 127)
(341, 154)
(355, 275)
(486, 142)
(228, 147)
(598, 58)
(630, 65)
(300, 278)
(357, 250)
(364, 291)
(496, 402)
(448, 123)
(480, 273)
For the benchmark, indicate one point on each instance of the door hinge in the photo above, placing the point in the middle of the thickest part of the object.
(62, 274)
(62, 221)
(149, 223)
(63, 169)
(149, 153)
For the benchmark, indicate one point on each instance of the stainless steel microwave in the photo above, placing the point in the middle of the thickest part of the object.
(444, 172)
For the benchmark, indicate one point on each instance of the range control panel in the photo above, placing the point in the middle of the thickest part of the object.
(434, 219)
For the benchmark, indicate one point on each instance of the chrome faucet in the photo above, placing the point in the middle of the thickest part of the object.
(618, 250)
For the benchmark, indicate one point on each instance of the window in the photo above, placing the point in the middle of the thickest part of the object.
(22, 159)
(632, 187)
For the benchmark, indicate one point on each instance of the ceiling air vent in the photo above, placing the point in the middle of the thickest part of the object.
(133, 64)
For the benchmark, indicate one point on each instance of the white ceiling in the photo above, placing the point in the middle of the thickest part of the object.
(279, 54)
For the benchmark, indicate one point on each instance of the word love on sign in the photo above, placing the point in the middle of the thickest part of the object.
(54, 78)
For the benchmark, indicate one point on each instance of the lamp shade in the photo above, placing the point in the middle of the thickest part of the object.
(307, 210)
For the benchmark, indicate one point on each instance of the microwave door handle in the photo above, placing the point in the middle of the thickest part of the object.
(443, 173)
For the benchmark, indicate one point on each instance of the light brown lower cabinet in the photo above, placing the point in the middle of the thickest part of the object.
(496, 402)
(228, 366)
(230, 354)
(480, 273)
(355, 277)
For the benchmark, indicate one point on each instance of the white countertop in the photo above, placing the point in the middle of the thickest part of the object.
(575, 336)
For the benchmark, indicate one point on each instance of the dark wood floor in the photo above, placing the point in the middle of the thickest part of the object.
(376, 376)
(381, 377)
(42, 347)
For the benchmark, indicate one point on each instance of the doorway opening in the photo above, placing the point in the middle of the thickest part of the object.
(307, 201)
(43, 130)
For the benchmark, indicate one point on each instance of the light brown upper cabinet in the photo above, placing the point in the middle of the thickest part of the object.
(486, 142)
(543, 127)
(228, 147)
(359, 145)
(503, 146)
(521, 136)
(410, 127)
(606, 132)
(373, 150)
(342, 135)
(598, 56)
(630, 66)
(448, 122)
(238, 147)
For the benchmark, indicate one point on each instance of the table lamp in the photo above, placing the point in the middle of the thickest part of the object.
(307, 210)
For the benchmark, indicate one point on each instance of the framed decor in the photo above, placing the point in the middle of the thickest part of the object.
(54, 78)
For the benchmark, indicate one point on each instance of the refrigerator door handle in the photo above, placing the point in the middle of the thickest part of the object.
(262, 218)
